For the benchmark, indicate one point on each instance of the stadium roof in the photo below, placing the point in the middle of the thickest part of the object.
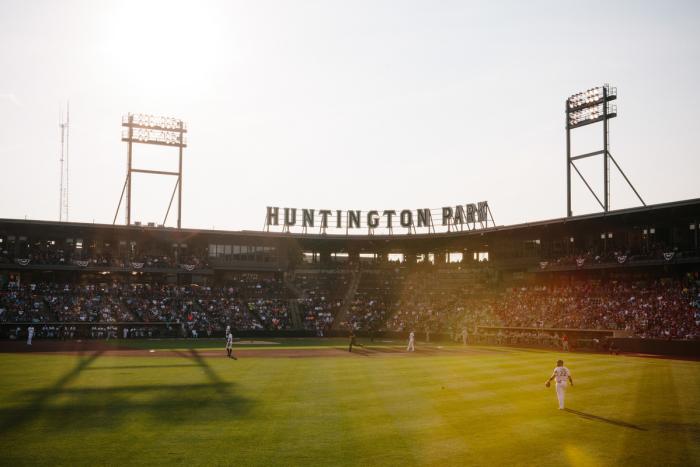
(655, 209)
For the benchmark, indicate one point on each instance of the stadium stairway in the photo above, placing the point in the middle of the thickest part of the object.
(250, 308)
(292, 303)
(296, 291)
(347, 300)
(293, 307)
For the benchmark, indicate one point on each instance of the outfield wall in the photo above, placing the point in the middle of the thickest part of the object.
(659, 346)
(581, 340)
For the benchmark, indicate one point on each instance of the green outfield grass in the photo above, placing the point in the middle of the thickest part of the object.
(488, 408)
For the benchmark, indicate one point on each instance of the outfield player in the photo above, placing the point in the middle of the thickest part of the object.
(561, 374)
(565, 343)
(30, 335)
(351, 338)
(411, 342)
(229, 346)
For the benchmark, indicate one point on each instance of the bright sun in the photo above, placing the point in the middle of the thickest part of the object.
(160, 46)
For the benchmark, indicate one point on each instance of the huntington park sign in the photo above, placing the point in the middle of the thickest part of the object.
(460, 217)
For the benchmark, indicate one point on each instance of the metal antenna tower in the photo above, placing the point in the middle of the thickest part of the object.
(64, 125)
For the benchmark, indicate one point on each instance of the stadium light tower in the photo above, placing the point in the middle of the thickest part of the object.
(160, 131)
(586, 108)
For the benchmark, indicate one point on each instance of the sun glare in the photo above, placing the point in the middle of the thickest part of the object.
(160, 46)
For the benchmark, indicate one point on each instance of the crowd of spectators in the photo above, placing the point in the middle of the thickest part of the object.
(668, 309)
(396, 300)
(48, 253)
(658, 309)
(431, 301)
(370, 306)
(321, 297)
(249, 302)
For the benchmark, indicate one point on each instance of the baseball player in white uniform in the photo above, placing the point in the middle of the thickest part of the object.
(229, 346)
(561, 374)
(30, 335)
(411, 342)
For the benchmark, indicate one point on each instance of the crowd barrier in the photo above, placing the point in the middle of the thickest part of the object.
(579, 339)
(136, 330)
(678, 348)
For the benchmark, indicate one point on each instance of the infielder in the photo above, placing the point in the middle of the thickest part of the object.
(30, 335)
(561, 374)
(229, 346)
(411, 342)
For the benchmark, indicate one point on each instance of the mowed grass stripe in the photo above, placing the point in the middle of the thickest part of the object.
(429, 410)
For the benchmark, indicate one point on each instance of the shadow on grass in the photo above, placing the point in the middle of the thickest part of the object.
(139, 367)
(59, 407)
(610, 421)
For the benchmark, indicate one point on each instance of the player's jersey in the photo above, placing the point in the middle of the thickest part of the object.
(561, 374)
(229, 339)
(411, 337)
(30, 331)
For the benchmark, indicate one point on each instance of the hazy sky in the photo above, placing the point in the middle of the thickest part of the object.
(344, 105)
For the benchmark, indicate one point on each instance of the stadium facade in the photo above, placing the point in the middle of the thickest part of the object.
(657, 239)
(630, 277)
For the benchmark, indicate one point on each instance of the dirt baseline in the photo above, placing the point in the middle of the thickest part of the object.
(79, 347)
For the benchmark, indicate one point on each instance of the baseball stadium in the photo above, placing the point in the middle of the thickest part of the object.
(351, 337)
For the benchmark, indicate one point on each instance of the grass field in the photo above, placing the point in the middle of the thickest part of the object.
(485, 407)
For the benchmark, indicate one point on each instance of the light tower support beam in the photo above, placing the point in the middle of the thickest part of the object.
(160, 131)
(586, 108)
(606, 164)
